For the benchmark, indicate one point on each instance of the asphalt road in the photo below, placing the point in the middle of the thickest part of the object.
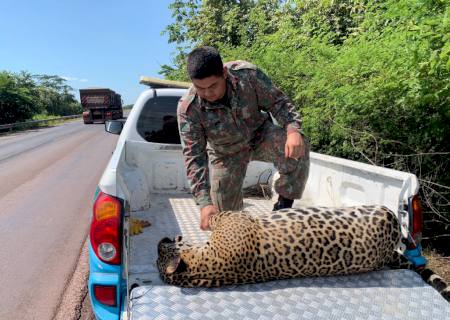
(47, 181)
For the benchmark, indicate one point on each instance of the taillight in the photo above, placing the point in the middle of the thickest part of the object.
(416, 220)
(105, 232)
(105, 295)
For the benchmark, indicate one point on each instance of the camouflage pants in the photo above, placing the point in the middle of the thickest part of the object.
(228, 172)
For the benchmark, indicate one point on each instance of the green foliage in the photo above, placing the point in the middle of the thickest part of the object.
(17, 94)
(23, 95)
(217, 22)
(56, 96)
(178, 72)
(371, 77)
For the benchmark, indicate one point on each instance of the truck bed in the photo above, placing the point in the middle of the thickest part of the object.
(170, 215)
(386, 294)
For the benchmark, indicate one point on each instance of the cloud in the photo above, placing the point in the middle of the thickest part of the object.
(67, 78)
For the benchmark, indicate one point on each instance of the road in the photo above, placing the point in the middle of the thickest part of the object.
(47, 180)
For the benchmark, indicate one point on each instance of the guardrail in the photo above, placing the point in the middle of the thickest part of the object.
(33, 123)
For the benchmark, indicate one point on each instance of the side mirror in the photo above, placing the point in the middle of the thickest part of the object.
(113, 126)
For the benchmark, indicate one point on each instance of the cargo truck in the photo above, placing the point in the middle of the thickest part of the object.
(146, 180)
(100, 104)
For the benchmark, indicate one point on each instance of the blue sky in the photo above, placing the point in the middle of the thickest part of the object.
(95, 43)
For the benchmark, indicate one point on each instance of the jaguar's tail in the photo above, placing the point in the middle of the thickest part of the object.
(399, 261)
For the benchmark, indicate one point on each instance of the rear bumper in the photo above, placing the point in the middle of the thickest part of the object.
(101, 273)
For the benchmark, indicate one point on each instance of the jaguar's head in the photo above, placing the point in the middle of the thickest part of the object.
(170, 264)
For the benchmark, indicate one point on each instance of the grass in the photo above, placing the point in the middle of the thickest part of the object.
(438, 263)
(43, 117)
(47, 116)
(38, 125)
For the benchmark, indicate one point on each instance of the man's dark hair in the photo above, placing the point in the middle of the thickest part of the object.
(204, 62)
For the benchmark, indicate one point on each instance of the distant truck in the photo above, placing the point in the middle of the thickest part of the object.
(100, 104)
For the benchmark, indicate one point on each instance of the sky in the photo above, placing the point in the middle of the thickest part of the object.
(95, 43)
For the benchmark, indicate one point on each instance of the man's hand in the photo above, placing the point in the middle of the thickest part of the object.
(295, 146)
(205, 213)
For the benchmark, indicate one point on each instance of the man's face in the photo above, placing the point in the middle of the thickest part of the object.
(211, 88)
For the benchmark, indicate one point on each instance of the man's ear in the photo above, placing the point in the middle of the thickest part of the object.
(225, 72)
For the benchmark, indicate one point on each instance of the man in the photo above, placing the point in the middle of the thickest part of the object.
(224, 120)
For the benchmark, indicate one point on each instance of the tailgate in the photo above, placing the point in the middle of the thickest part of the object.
(387, 294)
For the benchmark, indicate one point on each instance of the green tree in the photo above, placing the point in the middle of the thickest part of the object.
(56, 96)
(18, 94)
(23, 95)
(219, 23)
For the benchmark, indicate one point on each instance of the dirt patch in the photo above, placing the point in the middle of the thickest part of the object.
(438, 263)
(75, 301)
(86, 309)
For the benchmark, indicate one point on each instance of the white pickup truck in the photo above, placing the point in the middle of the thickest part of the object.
(146, 180)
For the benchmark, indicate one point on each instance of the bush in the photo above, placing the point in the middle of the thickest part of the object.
(371, 78)
(17, 97)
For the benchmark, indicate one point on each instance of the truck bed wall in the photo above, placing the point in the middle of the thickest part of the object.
(156, 168)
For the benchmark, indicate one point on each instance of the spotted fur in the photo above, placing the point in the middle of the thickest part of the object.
(284, 244)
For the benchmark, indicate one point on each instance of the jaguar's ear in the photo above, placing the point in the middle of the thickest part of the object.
(172, 265)
(176, 264)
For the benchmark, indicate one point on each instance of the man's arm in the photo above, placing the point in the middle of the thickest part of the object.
(193, 141)
(273, 100)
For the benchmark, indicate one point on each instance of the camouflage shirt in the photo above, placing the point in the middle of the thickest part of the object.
(228, 129)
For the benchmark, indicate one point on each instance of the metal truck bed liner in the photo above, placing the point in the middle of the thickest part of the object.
(171, 215)
(386, 294)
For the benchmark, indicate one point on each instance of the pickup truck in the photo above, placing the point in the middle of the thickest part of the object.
(145, 180)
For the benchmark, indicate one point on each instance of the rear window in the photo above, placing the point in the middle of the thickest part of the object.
(158, 120)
